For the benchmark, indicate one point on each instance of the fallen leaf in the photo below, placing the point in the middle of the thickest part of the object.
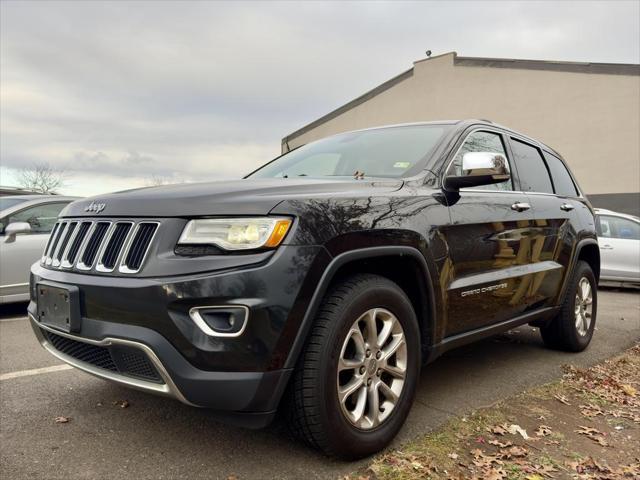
(62, 419)
(500, 444)
(499, 429)
(562, 399)
(629, 390)
(543, 431)
(518, 451)
(591, 410)
(594, 434)
(535, 476)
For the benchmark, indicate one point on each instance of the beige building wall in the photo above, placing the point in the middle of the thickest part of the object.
(592, 119)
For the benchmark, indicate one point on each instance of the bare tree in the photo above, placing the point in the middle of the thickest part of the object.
(40, 177)
(157, 180)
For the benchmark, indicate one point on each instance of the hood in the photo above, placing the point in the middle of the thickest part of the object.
(235, 197)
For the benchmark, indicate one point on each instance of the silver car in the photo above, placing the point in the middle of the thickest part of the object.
(619, 240)
(25, 224)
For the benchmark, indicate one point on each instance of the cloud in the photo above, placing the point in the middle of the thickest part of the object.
(205, 90)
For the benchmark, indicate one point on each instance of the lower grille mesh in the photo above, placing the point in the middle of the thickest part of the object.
(127, 361)
(93, 354)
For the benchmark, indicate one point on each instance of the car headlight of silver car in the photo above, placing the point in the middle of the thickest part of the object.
(236, 233)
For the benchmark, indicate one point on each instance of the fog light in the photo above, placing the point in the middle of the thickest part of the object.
(227, 321)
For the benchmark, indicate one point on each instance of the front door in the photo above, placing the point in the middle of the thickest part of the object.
(489, 240)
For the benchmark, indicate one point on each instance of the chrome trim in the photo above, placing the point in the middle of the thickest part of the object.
(79, 264)
(65, 256)
(207, 330)
(125, 251)
(522, 138)
(58, 262)
(47, 247)
(168, 388)
(62, 230)
(100, 266)
(26, 284)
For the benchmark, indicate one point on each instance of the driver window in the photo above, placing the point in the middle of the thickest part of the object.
(482, 142)
(42, 218)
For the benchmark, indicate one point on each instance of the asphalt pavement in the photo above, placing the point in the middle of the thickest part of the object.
(158, 438)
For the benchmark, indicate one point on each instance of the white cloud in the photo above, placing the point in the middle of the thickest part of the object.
(116, 92)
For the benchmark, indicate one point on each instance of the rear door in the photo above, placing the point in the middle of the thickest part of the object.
(557, 211)
(619, 240)
(489, 242)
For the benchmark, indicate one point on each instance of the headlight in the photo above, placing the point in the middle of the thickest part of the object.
(236, 233)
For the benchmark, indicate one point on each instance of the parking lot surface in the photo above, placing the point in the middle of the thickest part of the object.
(160, 438)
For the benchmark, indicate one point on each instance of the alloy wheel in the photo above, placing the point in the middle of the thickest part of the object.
(372, 368)
(583, 306)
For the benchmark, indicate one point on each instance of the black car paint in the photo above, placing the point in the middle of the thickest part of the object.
(457, 241)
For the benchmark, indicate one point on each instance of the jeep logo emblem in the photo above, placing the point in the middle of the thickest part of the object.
(94, 207)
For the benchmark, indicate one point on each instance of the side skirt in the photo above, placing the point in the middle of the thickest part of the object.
(455, 341)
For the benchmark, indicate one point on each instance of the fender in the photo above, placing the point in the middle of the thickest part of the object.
(573, 262)
(328, 275)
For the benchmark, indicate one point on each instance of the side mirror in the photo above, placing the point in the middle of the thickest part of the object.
(14, 229)
(479, 168)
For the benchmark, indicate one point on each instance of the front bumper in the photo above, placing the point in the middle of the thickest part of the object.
(147, 320)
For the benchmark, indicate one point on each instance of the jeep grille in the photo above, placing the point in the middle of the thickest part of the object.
(102, 246)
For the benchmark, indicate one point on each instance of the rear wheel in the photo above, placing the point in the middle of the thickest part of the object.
(573, 328)
(356, 380)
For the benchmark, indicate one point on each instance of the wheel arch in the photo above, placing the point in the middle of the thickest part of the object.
(403, 265)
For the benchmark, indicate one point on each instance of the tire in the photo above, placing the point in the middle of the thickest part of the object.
(315, 413)
(567, 331)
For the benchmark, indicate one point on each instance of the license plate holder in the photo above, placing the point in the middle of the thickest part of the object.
(59, 306)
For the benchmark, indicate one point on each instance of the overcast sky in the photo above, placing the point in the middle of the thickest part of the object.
(117, 92)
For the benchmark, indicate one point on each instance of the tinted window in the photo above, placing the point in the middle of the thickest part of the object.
(481, 142)
(616, 227)
(532, 171)
(42, 218)
(6, 202)
(383, 152)
(561, 178)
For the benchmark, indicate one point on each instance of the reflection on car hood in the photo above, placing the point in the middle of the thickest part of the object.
(236, 197)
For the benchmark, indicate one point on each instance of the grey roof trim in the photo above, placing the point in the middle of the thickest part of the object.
(557, 66)
(575, 67)
(348, 106)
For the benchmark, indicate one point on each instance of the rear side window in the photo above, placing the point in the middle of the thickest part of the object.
(532, 171)
(562, 180)
(616, 227)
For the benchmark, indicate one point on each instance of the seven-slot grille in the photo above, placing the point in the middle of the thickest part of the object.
(100, 245)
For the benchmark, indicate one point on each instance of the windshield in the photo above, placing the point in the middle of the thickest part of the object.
(383, 152)
(7, 202)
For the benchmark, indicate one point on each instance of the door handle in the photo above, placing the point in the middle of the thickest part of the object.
(520, 206)
(606, 247)
(567, 207)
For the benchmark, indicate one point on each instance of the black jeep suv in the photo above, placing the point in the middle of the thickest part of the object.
(323, 281)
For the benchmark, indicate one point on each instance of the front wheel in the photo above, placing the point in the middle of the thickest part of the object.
(573, 328)
(357, 377)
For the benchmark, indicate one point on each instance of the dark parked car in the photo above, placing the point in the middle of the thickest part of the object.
(323, 281)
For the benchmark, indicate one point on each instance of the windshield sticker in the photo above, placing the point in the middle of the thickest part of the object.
(402, 165)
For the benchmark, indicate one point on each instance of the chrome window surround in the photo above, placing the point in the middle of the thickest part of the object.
(194, 313)
(60, 228)
(522, 138)
(168, 388)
